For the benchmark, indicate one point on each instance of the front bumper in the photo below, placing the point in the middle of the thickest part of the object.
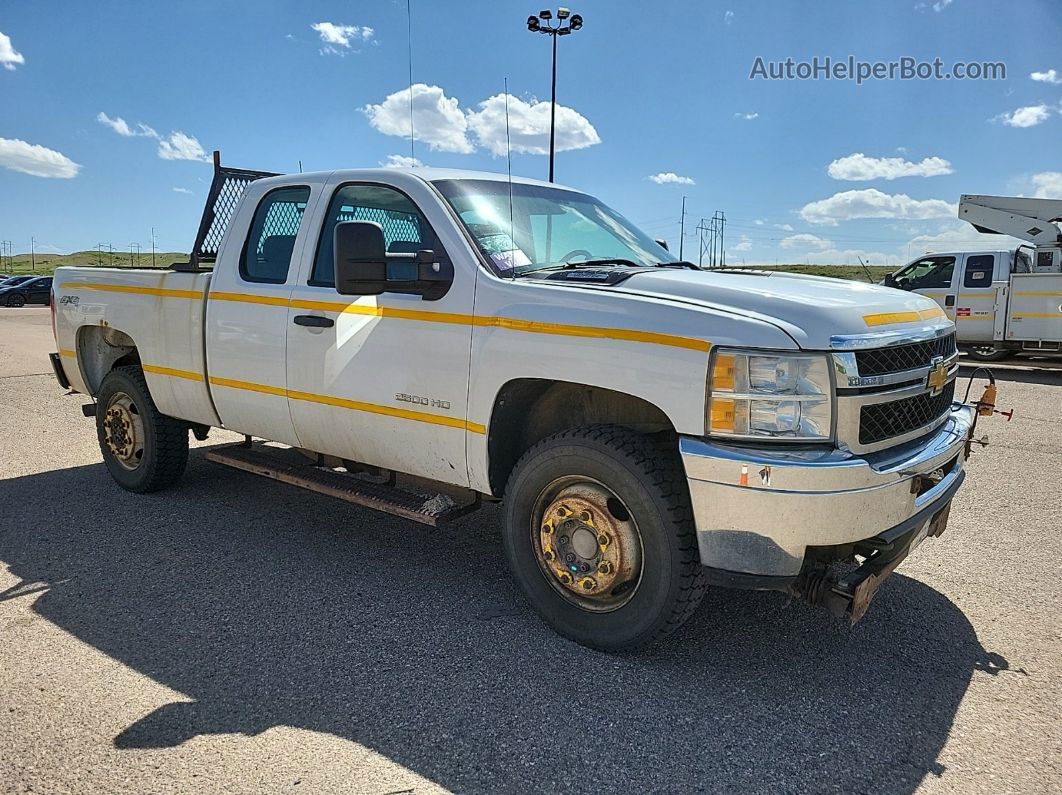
(758, 510)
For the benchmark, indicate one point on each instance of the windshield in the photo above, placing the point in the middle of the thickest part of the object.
(547, 227)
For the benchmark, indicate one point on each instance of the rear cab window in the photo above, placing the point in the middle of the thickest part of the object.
(270, 242)
(978, 272)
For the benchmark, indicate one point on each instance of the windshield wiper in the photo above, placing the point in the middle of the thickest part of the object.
(679, 263)
(603, 261)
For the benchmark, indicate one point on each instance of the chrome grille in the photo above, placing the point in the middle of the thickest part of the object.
(881, 421)
(882, 361)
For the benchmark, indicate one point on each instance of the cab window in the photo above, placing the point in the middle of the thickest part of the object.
(405, 230)
(926, 272)
(978, 271)
(271, 240)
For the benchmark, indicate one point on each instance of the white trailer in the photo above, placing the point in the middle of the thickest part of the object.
(1002, 301)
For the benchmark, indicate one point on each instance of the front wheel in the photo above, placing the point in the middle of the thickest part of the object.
(987, 353)
(599, 535)
(16, 300)
(143, 450)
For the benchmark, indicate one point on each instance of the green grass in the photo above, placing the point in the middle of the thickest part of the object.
(46, 263)
(852, 272)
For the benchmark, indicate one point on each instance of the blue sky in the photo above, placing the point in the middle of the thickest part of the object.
(645, 90)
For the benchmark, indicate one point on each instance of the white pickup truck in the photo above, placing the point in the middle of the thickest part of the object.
(419, 341)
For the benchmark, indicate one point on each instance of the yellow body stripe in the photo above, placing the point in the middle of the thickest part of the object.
(1036, 314)
(354, 405)
(170, 371)
(886, 318)
(67, 353)
(511, 324)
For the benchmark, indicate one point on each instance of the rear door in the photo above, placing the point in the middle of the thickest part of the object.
(975, 307)
(247, 311)
(38, 290)
(382, 379)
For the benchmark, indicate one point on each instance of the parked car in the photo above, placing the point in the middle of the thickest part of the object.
(11, 281)
(30, 291)
(427, 340)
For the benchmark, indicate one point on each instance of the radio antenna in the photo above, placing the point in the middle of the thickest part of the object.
(509, 163)
(409, 48)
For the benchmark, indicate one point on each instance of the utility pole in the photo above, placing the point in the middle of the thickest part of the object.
(682, 227)
(152, 247)
(33, 255)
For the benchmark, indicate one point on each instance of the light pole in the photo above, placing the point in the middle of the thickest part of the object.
(541, 24)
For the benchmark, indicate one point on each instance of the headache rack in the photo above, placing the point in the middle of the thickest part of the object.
(221, 203)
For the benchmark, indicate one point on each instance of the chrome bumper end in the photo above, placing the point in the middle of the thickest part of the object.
(758, 510)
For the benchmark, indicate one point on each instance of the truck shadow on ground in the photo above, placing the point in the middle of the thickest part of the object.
(270, 606)
(1031, 373)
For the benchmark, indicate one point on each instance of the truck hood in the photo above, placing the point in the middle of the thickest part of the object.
(811, 309)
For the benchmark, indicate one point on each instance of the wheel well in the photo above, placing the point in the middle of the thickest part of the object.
(100, 349)
(528, 410)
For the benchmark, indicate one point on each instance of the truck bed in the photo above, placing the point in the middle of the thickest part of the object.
(162, 311)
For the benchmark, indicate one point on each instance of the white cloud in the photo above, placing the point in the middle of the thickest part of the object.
(401, 161)
(529, 126)
(1050, 76)
(955, 236)
(785, 227)
(36, 160)
(340, 36)
(859, 166)
(665, 177)
(1048, 185)
(744, 245)
(872, 203)
(747, 116)
(728, 17)
(438, 120)
(1029, 116)
(179, 146)
(182, 190)
(804, 240)
(940, 5)
(9, 56)
(120, 126)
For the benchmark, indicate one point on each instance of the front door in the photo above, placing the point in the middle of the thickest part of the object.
(931, 276)
(975, 307)
(380, 379)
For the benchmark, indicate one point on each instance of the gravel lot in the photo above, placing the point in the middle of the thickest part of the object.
(238, 635)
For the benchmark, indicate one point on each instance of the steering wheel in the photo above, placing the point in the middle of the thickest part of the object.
(575, 252)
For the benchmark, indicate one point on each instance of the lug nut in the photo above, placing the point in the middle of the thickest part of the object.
(547, 528)
(547, 554)
(604, 567)
(586, 516)
(602, 540)
(587, 583)
(565, 578)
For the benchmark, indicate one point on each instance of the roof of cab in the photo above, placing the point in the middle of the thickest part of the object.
(424, 173)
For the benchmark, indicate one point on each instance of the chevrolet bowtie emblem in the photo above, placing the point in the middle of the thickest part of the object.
(937, 378)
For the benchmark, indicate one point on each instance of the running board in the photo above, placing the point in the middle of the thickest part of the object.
(289, 466)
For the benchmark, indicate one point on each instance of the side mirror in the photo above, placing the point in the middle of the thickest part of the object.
(363, 265)
(662, 243)
(889, 280)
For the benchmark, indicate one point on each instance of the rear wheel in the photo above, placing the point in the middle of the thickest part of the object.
(987, 353)
(599, 534)
(16, 300)
(143, 450)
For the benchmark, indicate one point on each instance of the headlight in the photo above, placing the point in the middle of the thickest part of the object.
(769, 395)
